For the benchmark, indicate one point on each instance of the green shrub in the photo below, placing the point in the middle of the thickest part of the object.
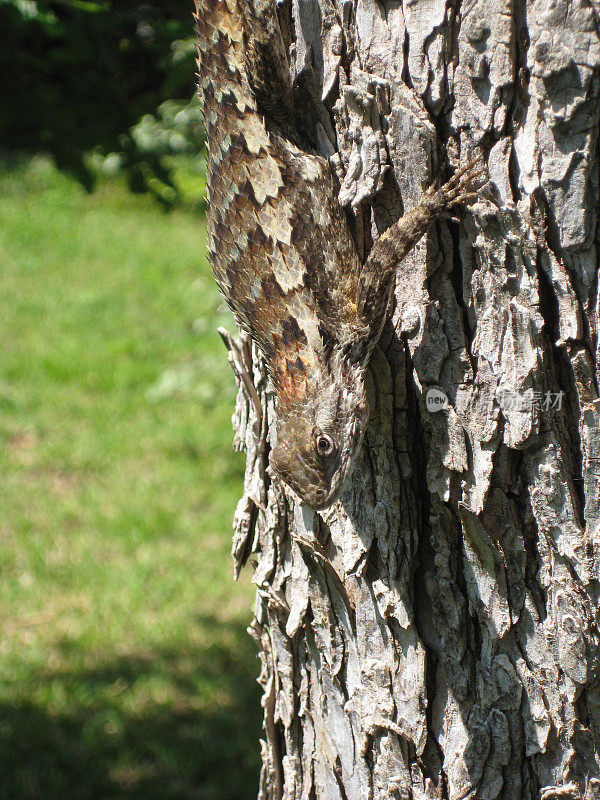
(108, 78)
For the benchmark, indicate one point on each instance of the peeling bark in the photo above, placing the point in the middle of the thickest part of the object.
(435, 633)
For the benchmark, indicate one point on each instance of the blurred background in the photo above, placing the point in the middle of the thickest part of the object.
(125, 668)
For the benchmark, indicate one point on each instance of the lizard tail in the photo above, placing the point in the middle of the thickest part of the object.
(241, 55)
(222, 82)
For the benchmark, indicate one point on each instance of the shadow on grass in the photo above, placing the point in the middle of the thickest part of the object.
(114, 737)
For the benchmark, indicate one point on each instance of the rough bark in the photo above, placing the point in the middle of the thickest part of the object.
(435, 634)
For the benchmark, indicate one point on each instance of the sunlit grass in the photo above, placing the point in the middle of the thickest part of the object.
(124, 667)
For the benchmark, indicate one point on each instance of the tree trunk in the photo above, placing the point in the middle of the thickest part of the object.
(434, 634)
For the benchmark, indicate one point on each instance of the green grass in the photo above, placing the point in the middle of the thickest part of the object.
(125, 669)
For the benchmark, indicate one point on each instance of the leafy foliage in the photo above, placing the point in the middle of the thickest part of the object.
(108, 77)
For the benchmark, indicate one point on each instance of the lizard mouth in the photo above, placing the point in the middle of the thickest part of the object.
(316, 482)
(307, 484)
(320, 503)
(310, 485)
(304, 480)
(317, 497)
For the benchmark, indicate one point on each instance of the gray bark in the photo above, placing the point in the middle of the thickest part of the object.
(435, 634)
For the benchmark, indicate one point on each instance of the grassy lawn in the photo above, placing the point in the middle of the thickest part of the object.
(125, 669)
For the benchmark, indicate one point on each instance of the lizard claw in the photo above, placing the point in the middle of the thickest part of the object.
(467, 197)
(463, 185)
(569, 791)
(462, 188)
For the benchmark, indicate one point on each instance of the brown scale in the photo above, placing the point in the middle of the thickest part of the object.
(281, 250)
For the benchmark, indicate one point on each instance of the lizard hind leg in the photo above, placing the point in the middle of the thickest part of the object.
(267, 65)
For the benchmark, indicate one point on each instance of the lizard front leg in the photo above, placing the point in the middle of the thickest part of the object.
(401, 237)
(377, 277)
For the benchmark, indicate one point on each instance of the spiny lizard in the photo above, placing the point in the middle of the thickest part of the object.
(282, 252)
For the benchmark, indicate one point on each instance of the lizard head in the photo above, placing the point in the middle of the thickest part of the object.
(319, 435)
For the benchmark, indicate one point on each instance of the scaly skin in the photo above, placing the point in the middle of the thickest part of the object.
(281, 249)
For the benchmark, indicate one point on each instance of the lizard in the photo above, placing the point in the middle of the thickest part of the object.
(282, 252)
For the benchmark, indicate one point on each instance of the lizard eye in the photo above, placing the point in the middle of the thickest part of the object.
(325, 444)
